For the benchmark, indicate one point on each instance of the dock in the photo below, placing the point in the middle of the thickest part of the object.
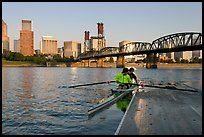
(162, 112)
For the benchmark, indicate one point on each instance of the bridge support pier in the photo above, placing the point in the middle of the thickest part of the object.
(151, 60)
(120, 61)
(86, 63)
(100, 62)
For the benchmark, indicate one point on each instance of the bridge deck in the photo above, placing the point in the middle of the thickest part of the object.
(163, 112)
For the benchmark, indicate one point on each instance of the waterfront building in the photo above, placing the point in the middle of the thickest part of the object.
(127, 58)
(49, 45)
(178, 55)
(131, 58)
(170, 55)
(140, 57)
(97, 43)
(183, 55)
(124, 42)
(197, 53)
(187, 55)
(72, 48)
(83, 48)
(17, 45)
(61, 51)
(162, 57)
(5, 38)
(27, 38)
(37, 51)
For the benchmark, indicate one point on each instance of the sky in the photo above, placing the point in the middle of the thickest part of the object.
(134, 21)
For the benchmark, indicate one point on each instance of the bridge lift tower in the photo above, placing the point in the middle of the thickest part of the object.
(86, 42)
(100, 36)
(100, 43)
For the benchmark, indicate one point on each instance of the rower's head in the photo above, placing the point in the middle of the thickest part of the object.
(131, 70)
(125, 71)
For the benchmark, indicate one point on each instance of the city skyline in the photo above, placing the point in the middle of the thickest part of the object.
(134, 21)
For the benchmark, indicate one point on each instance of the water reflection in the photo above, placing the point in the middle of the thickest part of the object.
(5, 83)
(123, 103)
(26, 83)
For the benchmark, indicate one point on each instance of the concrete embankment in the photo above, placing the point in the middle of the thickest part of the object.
(163, 112)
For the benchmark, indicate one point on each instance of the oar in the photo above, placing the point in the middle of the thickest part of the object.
(88, 84)
(167, 87)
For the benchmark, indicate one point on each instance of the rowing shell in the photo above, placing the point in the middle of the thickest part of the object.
(109, 101)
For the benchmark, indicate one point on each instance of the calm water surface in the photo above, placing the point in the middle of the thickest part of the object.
(33, 103)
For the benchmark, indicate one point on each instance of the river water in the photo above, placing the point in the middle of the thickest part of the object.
(34, 102)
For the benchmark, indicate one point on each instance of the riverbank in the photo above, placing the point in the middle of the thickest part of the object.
(113, 66)
(180, 65)
(105, 65)
(165, 65)
(6, 63)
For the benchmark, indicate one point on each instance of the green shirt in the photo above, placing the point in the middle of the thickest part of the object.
(123, 78)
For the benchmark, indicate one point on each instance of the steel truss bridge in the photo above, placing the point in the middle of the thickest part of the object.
(188, 41)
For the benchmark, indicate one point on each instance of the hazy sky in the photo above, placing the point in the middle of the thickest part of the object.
(135, 21)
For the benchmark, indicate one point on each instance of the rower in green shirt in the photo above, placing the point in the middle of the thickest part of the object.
(123, 79)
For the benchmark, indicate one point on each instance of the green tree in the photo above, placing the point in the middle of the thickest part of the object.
(18, 57)
(11, 56)
(29, 58)
(200, 60)
(40, 60)
(56, 56)
(145, 60)
(195, 60)
(184, 61)
(162, 61)
(71, 59)
(111, 60)
(177, 60)
(170, 61)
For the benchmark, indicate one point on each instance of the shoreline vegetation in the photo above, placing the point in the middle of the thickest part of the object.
(105, 65)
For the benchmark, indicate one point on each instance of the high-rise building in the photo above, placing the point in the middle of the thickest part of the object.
(72, 48)
(17, 45)
(27, 39)
(5, 38)
(26, 25)
(49, 45)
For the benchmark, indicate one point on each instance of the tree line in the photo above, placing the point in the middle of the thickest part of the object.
(40, 59)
